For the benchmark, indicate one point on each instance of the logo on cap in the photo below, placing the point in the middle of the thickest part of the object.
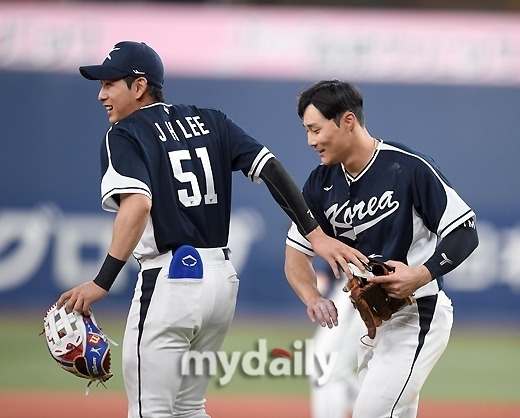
(112, 50)
(133, 58)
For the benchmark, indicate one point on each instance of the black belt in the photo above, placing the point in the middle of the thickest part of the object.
(226, 253)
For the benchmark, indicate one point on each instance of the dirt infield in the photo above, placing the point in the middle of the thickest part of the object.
(52, 405)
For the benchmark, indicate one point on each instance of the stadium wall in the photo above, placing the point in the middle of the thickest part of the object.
(429, 80)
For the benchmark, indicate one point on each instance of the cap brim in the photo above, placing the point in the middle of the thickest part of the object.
(101, 72)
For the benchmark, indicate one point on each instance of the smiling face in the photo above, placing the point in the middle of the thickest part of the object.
(327, 138)
(118, 100)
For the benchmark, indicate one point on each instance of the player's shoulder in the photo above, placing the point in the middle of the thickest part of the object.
(402, 153)
(174, 110)
(209, 115)
(159, 110)
(397, 147)
(192, 109)
(141, 116)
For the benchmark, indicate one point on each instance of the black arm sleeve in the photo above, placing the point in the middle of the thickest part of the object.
(453, 249)
(286, 193)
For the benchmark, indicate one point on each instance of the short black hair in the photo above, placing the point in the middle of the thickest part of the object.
(155, 92)
(333, 98)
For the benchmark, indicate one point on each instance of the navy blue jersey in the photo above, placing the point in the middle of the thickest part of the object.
(182, 157)
(396, 208)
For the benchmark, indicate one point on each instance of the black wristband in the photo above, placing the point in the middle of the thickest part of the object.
(108, 272)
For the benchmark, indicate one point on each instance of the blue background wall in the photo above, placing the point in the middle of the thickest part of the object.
(51, 127)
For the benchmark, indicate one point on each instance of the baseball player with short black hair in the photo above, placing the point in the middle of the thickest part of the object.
(386, 200)
(166, 171)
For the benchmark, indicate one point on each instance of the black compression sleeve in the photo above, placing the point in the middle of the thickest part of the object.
(286, 193)
(453, 249)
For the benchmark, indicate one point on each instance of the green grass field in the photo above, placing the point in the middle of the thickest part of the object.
(482, 366)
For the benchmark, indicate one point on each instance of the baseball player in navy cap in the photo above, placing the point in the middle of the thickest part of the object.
(166, 170)
(386, 200)
(134, 59)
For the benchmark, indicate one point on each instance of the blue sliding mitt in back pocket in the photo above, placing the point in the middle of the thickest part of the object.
(186, 264)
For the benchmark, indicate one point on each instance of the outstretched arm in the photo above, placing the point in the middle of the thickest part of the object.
(302, 278)
(129, 225)
(287, 194)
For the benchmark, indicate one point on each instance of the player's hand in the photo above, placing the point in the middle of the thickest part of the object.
(404, 281)
(81, 297)
(336, 253)
(324, 311)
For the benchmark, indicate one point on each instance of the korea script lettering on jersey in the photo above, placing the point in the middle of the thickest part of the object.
(182, 157)
(342, 217)
(397, 207)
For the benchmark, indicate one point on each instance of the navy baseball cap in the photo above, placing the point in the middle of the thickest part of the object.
(128, 58)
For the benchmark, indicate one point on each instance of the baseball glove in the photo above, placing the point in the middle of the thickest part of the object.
(77, 344)
(371, 299)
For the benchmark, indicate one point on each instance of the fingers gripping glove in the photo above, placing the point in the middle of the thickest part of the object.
(77, 344)
(371, 299)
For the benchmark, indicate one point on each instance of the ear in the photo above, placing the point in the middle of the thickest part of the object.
(139, 87)
(349, 120)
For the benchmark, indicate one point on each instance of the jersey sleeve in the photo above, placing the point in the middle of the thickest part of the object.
(248, 155)
(440, 206)
(123, 169)
(298, 241)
